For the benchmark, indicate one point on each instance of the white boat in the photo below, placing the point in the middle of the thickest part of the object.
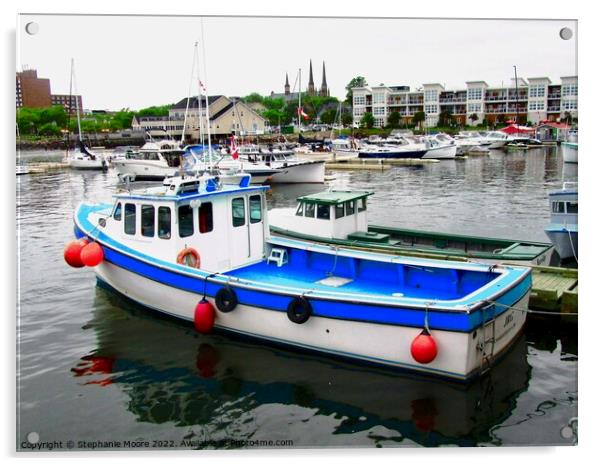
(202, 242)
(153, 161)
(22, 169)
(345, 146)
(496, 139)
(569, 151)
(410, 147)
(83, 158)
(290, 168)
(440, 146)
(563, 228)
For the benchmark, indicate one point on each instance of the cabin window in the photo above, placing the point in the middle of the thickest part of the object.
(206, 217)
(255, 209)
(117, 212)
(147, 220)
(362, 204)
(350, 208)
(300, 210)
(238, 212)
(310, 210)
(129, 225)
(164, 222)
(339, 210)
(571, 207)
(558, 207)
(324, 211)
(185, 221)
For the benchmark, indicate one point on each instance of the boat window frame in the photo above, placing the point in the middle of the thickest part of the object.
(117, 212)
(310, 207)
(300, 210)
(362, 205)
(252, 220)
(142, 209)
(347, 203)
(127, 219)
(210, 217)
(191, 210)
(569, 204)
(159, 223)
(243, 217)
(326, 208)
(339, 210)
(556, 207)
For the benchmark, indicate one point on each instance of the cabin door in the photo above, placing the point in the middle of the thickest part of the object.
(239, 231)
(256, 225)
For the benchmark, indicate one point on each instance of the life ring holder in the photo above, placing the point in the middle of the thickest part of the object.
(226, 299)
(194, 253)
(299, 310)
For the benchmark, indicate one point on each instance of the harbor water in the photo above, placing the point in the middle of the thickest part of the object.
(97, 371)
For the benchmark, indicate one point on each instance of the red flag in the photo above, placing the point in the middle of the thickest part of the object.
(202, 85)
(233, 148)
(300, 112)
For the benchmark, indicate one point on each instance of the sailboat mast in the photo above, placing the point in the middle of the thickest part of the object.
(299, 109)
(79, 126)
(206, 93)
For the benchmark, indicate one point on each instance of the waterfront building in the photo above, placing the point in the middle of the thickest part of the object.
(226, 115)
(32, 91)
(533, 100)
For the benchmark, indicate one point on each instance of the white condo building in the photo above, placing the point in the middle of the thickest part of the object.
(537, 99)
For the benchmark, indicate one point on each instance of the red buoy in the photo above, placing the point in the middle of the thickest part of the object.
(204, 316)
(424, 347)
(72, 252)
(92, 254)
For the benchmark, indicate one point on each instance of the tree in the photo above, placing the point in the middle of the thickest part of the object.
(418, 118)
(367, 120)
(445, 118)
(160, 110)
(328, 116)
(394, 119)
(254, 97)
(358, 81)
(473, 117)
(49, 129)
(346, 118)
(275, 117)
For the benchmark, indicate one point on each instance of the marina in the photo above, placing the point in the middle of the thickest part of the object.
(104, 361)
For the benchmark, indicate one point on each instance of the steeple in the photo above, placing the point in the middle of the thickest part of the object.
(324, 92)
(287, 87)
(311, 90)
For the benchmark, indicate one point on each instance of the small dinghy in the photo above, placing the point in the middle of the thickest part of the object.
(202, 242)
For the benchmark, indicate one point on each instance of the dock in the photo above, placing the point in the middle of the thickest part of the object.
(375, 164)
(43, 167)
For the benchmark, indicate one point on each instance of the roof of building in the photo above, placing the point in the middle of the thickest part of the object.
(334, 197)
(193, 102)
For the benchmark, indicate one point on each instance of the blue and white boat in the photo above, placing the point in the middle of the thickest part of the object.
(203, 241)
(563, 228)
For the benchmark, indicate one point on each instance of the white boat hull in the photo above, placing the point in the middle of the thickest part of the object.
(303, 172)
(144, 169)
(460, 355)
(86, 164)
(569, 153)
(443, 152)
(497, 144)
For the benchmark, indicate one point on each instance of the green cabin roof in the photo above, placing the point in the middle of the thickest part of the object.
(333, 197)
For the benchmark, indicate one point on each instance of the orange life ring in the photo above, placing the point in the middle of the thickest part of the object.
(184, 253)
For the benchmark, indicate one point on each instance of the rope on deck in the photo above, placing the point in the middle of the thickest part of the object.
(530, 311)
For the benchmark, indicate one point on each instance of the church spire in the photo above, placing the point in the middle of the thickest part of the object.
(311, 90)
(287, 87)
(324, 88)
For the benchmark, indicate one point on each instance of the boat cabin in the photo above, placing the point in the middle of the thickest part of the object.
(333, 214)
(564, 205)
(222, 219)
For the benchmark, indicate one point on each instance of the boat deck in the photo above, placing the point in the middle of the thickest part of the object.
(307, 271)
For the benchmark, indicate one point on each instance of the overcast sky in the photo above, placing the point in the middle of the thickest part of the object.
(135, 62)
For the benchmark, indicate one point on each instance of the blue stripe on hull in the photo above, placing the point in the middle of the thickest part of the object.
(380, 314)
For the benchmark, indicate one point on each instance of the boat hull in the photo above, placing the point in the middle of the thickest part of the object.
(144, 170)
(569, 152)
(409, 154)
(84, 164)
(444, 152)
(565, 242)
(461, 355)
(305, 172)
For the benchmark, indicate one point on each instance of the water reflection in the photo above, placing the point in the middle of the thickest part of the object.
(171, 374)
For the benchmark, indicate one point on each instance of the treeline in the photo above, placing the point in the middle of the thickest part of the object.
(53, 121)
(280, 112)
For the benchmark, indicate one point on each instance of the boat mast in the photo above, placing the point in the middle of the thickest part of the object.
(299, 109)
(79, 126)
(188, 97)
(206, 94)
(516, 95)
(199, 93)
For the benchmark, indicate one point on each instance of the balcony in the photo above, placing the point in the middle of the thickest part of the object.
(554, 96)
(451, 100)
(495, 98)
(553, 109)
